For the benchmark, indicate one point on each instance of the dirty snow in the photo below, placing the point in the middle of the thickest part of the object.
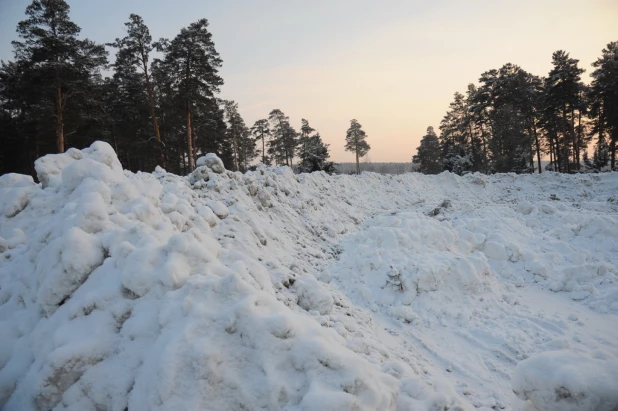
(271, 290)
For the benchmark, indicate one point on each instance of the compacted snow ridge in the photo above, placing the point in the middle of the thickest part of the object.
(275, 291)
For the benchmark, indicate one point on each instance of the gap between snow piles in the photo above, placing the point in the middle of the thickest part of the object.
(226, 291)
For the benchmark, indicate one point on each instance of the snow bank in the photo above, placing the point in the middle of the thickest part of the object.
(405, 255)
(120, 295)
(271, 290)
(562, 381)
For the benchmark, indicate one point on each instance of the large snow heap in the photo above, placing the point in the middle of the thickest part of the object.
(211, 291)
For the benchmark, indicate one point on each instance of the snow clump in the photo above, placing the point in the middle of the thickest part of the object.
(563, 381)
(212, 161)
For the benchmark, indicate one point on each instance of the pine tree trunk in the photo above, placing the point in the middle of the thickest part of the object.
(236, 152)
(263, 152)
(531, 151)
(244, 159)
(59, 120)
(180, 158)
(194, 139)
(574, 140)
(579, 138)
(183, 164)
(189, 138)
(357, 164)
(551, 152)
(36, 155)
(600, 124)
(484, 137)
(613, 150)
(557, 153)
(538, 145)
(153, 113)
(114, 137)
(566, 139)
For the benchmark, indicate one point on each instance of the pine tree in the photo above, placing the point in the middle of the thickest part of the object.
(563, 104)
(236, 127)
(248, 149)
(505, 110)
(19, 113)
(241, 140)
(134, 54)
(456, 138)
(604, 101)
(477, 131)
(355, 142)
(428, 153)
(510, 145)
(261, 132)
(208, 120)
(129, 122)
(600, 158)
(305, 132)
(61, 65)
(313, 152)
(284, 139)
(208, 126)
(305, 129)
(193, 62)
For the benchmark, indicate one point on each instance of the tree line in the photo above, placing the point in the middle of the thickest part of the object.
(158, 107)
(513, 118)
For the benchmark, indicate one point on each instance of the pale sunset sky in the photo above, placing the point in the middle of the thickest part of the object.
(394, 65)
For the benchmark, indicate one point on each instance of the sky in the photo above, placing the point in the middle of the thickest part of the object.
(393, 65)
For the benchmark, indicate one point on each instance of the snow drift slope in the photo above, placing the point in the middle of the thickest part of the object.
(275, 291)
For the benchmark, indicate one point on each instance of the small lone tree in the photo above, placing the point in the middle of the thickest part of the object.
(355, 141)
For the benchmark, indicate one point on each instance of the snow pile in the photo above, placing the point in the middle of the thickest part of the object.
(562, 381)
(269, 290)
(119, 295)
(407, 254)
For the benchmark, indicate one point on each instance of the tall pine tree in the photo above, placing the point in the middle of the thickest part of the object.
(193, 63)
(284, 138)
(134, 55)
(456, 138)
(261, 132)
(355, 142)
(604, 102)
(563, 104)
(60, 65)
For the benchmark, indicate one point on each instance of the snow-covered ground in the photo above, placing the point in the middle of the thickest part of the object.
(269, 290)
